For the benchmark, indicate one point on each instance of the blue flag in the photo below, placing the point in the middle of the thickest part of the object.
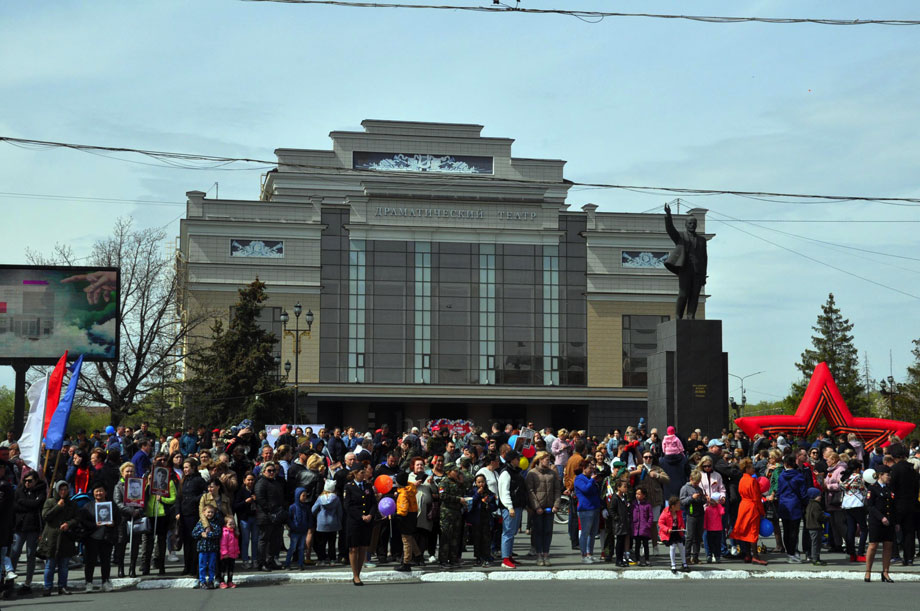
(54, 437)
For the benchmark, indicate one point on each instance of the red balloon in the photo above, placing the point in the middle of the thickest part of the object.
(529, 452)
(764, 484)
(383, 484)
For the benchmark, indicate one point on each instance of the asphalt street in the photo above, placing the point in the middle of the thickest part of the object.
(752, 595)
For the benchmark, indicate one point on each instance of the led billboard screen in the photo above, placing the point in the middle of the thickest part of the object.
(46, 310)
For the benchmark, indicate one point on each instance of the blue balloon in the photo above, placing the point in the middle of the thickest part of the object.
(766, 527)
(512, 440)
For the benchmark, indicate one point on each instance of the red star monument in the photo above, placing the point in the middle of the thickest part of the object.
(822, 398)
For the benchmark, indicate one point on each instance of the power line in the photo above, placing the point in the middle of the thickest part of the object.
(820, 262)
(596, 16)
(100, 200)
(172, 158)
(801, 237)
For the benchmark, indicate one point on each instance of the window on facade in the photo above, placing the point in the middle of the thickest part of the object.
(357, 304)
(639, 342)
(551, 315)
(487, 314)
(422, 347)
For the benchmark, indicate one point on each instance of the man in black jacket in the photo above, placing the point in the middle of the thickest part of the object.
(906, 487)
(27, 506)
(193, 486)
(271, 514)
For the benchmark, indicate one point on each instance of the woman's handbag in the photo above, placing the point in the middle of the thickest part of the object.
(141, 526)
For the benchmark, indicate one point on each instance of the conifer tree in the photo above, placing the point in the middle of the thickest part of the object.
(833, 344)
(230, 377)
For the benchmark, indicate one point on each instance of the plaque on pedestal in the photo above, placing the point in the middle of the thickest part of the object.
(688, 378)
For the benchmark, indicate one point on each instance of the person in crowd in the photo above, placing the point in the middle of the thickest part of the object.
(359, 514)
(618, 514)
(712, 527)
(271, 514)
(693, 500)
(589, 505)
(407, 516)
(512, 498)
(300, 518)
(814, 524)
(193, 486)
(78, 473)
(129, 514)
(157, 510)
(643, 523)
(671, 531)
(792, 494)
(229, 552)
(833, 499)
(28, 500)
(99, 541)
(854, 501)
(207, 534)
(561, 450)
(880, 505)
(245, 510)
(482, 508)
(906, 489)
(7, 511)
(750, 513)
(450, 493)
(57, 545)
(573, 467)
(544, 491)
(328, 517)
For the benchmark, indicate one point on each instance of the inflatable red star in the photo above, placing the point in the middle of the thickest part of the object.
(823, 398)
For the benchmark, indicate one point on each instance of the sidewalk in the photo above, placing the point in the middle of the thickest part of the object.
(566, 566)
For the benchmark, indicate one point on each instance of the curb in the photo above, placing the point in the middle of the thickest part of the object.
(517, 575)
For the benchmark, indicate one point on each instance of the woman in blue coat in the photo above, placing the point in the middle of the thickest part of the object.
(792, 495)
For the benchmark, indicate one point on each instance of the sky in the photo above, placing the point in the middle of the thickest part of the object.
(791, 108)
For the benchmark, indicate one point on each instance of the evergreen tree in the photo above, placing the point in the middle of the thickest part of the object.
(907, 401)
(833, 344)
(229, 378)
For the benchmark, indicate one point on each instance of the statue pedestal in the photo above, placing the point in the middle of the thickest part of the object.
(688, 378)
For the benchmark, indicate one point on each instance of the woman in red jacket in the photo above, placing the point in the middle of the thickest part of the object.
(750, 512)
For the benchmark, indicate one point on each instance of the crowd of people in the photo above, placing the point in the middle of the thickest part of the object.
(126, 501)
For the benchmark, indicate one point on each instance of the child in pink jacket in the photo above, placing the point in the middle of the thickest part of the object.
(229, 552)
(671, 531)
(712, 526)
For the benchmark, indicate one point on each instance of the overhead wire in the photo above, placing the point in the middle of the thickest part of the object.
(809, 239)
(164, 156)
(597, 16)
(824, 263)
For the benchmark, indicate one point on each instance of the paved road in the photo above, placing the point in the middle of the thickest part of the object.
(753, 595)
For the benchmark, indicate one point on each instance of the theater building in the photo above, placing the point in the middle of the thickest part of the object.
(446, 278)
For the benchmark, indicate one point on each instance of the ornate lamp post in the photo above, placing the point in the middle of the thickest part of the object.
(297, 334)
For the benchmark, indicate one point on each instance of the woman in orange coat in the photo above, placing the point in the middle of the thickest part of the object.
(750, 512)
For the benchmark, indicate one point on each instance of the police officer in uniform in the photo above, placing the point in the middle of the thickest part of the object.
(881, 512)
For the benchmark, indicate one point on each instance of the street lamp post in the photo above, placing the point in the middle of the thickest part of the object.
(297, 334)
(743, 396)
(889, 390)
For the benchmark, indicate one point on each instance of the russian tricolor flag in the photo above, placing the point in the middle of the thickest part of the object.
(48, 413)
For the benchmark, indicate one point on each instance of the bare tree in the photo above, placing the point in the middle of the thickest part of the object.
(152, 332)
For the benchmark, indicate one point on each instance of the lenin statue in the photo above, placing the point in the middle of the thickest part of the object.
(688, 261)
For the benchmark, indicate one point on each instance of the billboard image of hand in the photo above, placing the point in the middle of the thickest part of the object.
(101, 284)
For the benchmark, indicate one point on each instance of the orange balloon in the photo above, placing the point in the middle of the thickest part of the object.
(383, 484)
